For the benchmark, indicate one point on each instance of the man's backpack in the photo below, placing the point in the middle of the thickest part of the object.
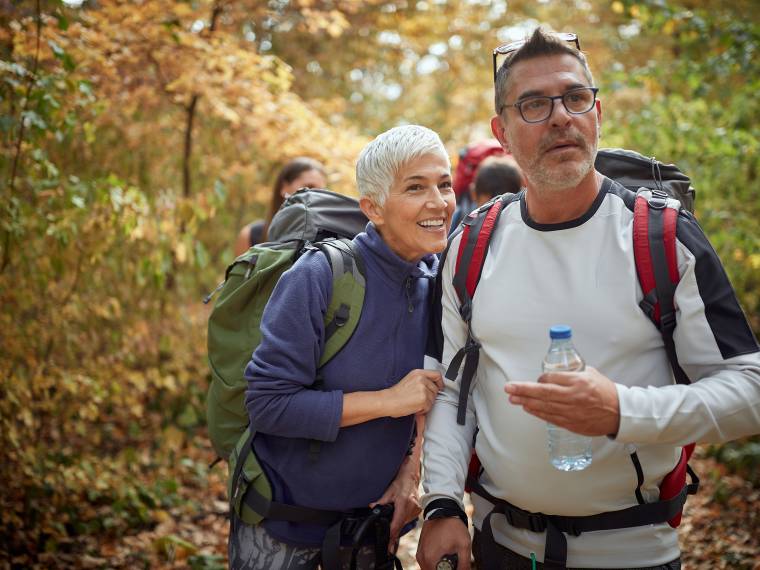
(659, 189)
(310, 218)
(634, 171)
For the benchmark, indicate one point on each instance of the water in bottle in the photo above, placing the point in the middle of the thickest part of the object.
(568, 451)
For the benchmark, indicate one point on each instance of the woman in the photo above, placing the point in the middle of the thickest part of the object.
(301, 172)
(364, 412)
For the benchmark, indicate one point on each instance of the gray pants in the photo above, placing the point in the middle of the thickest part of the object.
(253, 548)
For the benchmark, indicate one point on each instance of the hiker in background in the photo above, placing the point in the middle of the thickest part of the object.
(362, 412)
(495, 176)
(470, 158)
(562, 253)
(301, 172)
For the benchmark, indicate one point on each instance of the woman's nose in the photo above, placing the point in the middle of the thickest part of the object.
(436, 198)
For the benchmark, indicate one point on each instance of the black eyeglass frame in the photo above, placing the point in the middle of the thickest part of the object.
(506, 49)
(518, 104)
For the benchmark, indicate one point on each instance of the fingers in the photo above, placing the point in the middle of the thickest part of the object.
(396, 523)
(543, 390)
(436, 377)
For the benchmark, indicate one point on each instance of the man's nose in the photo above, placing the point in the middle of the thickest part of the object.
(560, 115)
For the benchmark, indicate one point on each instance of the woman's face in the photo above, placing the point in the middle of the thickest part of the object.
(307, 179)
(416, 216)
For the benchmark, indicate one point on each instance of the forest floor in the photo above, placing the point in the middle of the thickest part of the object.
(720, 529)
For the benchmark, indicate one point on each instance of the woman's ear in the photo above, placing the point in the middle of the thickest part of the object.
(373, 212)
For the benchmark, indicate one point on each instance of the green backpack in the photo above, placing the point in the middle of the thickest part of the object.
(309, 219)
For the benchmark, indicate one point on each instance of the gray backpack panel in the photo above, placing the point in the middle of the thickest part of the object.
(634, 171)
(313, 214)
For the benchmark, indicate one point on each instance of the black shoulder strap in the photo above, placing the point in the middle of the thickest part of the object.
(477, 231)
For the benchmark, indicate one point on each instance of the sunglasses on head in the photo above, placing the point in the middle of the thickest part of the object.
(501, 53)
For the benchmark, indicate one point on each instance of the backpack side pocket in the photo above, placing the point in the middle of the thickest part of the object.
(246, 478)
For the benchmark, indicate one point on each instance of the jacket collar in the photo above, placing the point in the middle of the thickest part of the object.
(388, 263)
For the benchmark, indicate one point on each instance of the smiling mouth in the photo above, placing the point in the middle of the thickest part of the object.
(433, 224)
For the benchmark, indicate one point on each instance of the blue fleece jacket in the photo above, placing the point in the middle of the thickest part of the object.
(356, 464)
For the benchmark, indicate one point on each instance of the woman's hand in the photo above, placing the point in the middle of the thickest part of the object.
(414, 393)
(403, 492)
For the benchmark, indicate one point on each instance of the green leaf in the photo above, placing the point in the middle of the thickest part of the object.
(63, 21)
(62, 56)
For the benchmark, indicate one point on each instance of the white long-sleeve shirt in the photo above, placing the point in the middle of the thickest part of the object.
(582, 273)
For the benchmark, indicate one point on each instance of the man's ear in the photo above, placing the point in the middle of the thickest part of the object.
(498, 130)
(373, 212)
(599, 111)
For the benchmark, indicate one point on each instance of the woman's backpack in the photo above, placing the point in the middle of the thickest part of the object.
(310, 218)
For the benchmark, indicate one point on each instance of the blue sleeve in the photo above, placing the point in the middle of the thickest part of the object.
(279, 398)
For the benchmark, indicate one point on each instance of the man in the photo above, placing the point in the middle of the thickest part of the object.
(565, 250)
(495, 176)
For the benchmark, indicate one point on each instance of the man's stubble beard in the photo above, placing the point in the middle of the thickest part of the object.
(566, 175)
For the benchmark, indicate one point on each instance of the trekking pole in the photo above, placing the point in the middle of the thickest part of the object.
(448, 562)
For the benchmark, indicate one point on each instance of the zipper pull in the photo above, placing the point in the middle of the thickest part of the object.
(409, 294)
(251, 266)
(208, 297)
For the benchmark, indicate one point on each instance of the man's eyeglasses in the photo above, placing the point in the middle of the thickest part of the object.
(539, 108)
(501, 52)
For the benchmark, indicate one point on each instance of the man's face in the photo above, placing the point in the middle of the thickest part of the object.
(559, 152)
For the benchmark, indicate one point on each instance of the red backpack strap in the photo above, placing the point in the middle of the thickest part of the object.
(473, 248)
(655, 218)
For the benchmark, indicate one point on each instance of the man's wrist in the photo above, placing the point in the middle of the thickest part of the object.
(444, 508)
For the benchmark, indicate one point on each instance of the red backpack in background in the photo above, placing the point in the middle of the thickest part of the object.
(470, 158)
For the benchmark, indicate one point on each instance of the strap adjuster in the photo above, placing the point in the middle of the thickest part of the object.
(668, 321)
(471, 346)
(535, 522)
(658, 199)
(342, 315)
(465, 310)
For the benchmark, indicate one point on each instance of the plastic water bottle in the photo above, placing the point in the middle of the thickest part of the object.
(568, 451)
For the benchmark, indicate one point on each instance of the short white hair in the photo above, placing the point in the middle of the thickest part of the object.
(380, 161)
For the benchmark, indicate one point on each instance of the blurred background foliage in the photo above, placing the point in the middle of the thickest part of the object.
(138, 137)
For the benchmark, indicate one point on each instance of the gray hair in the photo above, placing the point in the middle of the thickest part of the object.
(381, 160)
(540, 43)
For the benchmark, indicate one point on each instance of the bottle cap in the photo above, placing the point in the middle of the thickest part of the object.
(560, 331)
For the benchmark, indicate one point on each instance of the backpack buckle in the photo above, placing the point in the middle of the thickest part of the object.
(535, 522)
(342, 315)
(658, 199)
